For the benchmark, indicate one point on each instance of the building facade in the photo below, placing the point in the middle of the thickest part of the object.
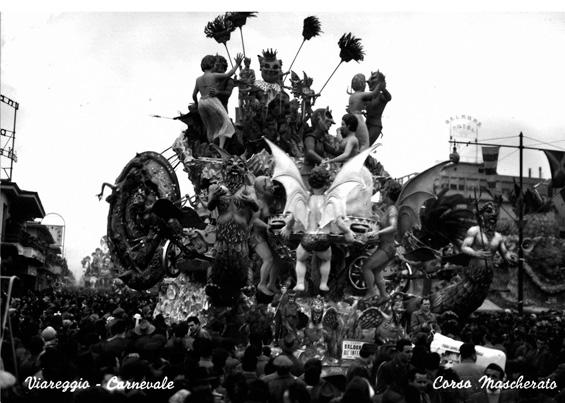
(28, 249)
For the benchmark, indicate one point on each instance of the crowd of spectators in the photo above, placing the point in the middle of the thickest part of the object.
(108, 345)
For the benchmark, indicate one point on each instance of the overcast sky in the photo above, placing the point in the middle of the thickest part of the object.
(87, 84)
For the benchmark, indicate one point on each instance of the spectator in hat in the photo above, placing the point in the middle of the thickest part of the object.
(281, 379)
(358, 390)
(49, 336)
(119, 313)
(312, 378)
(468, 369)
(394, 373)
(366, 358)
(289, 346)
(329, 391)
(114, 347)
(146, 342)
(249, 363)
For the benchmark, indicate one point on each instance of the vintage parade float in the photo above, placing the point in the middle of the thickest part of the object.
(273, 241)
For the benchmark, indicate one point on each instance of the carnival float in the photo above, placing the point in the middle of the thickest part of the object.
(277, 237)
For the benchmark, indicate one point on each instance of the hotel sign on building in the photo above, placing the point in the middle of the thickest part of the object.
(465, 128)
(57, 233)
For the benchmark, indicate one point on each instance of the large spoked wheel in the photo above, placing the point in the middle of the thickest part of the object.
(170, 258)
(396, 274)
(134, 236)
(355, 273)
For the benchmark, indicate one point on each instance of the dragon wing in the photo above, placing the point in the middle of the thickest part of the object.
(287, 173)
(350, 177)
(371, 318)
(414, 194)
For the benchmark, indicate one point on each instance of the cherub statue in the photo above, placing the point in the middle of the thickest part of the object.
(321, 210)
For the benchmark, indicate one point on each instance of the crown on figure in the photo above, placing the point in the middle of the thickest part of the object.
(270, 54)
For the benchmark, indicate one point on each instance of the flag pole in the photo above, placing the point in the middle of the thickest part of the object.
(521, 232)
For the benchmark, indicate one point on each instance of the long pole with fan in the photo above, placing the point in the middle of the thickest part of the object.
(220, 30)
(310, 28)
(350, 49)
(238, 20)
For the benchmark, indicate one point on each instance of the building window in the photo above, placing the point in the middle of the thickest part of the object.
(461, 187)
(453, 186)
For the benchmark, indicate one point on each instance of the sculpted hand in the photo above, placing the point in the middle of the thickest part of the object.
(246, 196)
(213, 92)
(215, 192)
(285, 233)
(483, 254)
(238, 59)
(512, 258)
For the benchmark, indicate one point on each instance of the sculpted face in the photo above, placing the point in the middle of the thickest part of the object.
(375, 79)
(234, 165)
(322, 119)
(221, 65)
(234, 172)
(271, 67)
(489, 214)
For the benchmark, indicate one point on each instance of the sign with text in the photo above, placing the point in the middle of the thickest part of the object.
(448, 349)
(350, 349)
(57, 233)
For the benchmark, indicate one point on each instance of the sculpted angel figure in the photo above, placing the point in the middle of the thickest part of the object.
(321, 210)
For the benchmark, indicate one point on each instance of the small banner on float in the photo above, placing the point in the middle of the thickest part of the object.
(350, 349)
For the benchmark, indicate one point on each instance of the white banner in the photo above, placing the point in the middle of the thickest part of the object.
(448, 349)
(350, 349)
